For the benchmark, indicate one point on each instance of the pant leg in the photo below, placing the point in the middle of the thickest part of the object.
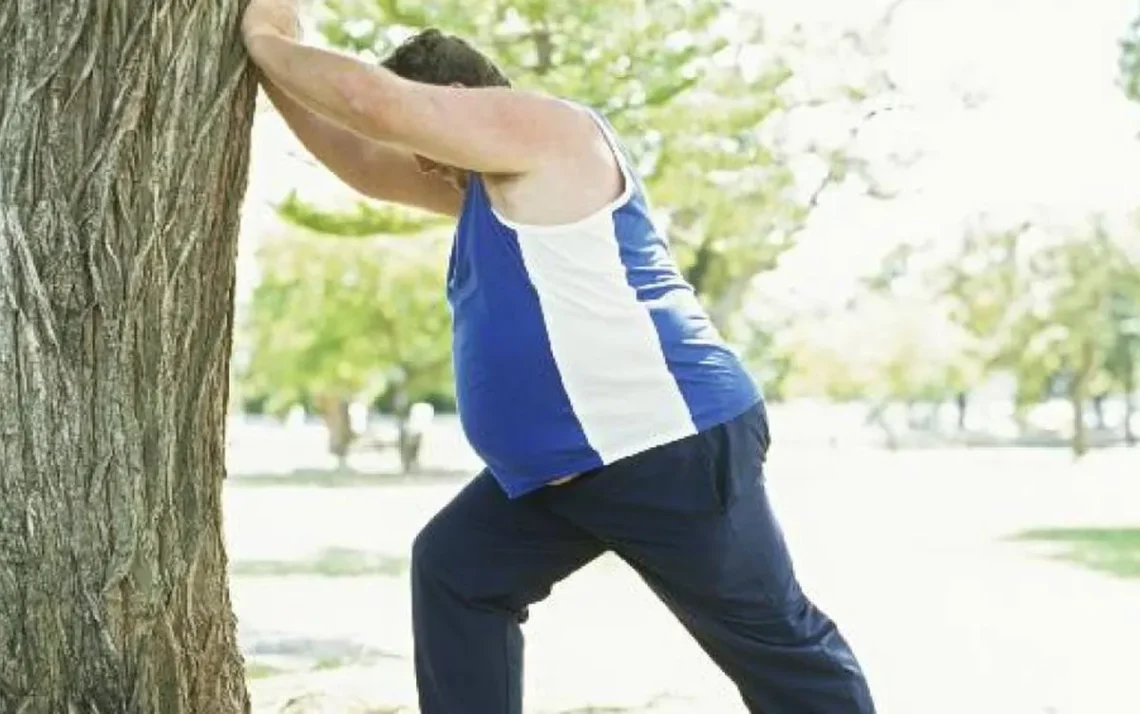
(694, 519)
(476, 566)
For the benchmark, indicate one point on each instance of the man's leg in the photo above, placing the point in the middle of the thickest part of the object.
(693, 518)
(476, 567)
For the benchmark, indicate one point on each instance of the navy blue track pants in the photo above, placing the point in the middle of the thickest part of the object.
(691, 517)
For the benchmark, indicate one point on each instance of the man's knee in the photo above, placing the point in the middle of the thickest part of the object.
(430, 550)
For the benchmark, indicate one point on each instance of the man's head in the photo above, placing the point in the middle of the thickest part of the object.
(432, 57)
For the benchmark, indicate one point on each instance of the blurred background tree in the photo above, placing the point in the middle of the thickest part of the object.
(343, 317)
(1130, 61)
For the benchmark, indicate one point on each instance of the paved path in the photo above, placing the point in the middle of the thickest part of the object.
(906, 551)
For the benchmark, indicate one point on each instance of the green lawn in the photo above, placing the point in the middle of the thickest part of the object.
(330, 562)
(1110, 550)
(260, 670)
(342, 479)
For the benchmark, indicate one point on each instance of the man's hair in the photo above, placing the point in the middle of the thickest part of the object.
(433, 57)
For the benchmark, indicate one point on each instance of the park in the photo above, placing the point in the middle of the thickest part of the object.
(228, 397)
(1024, 600)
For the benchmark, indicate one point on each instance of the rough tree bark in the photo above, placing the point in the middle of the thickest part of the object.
(124, 136)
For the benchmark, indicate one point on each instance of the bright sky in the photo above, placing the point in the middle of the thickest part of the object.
(1054, 133)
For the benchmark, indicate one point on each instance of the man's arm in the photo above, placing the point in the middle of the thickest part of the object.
(489, 130)
(387, 173)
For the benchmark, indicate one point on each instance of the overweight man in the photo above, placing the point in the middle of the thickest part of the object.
(609, 412)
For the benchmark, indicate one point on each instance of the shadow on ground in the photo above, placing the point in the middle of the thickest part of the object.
(648, 706)
(327, 653)
(329, 563)
(269, 654)
(343, 478)
(1115, 551)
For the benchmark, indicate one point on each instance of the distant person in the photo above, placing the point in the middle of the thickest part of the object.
(609, 412)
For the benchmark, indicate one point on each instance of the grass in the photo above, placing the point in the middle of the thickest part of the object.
(340, 479)
(260, 670)
(1115, 551)
(330, 562)
(327, 663)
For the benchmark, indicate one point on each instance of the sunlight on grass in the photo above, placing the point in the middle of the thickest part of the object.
(1109, 550)
(330, 562)
(327, 663)
(341, 479)
(260, 670)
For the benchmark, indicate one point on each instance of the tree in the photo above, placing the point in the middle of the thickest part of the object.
(986, 291)
(1130, 61)
(340, 316)
(1055, 307)
(124, 132)
(1124, 350)
(1074, 329)
(883, 350)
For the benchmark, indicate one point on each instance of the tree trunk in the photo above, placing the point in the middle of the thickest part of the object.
(334, 409)
(962, 402)
(1078, 396)
(124, 136)
(1129, 407)
(409, 444)
(406, 445)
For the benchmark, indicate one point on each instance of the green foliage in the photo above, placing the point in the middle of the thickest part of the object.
(1082, 294)
(1060, 311)
(985, 290)
(585, 51)
(366, 220)
(347, 318)
(1130, 61)
(882, 349)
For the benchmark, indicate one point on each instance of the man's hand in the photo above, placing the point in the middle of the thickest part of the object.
(490, 130)
(272, 17)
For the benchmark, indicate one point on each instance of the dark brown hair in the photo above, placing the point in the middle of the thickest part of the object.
(433, 57)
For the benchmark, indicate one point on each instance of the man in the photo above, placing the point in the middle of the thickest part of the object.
(609, 413)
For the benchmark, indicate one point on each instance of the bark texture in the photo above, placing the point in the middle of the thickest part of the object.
(124, 137)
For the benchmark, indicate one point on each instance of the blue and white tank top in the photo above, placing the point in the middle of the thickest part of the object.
(580, 344)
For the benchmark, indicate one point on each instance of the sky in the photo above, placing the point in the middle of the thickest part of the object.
(1052, 136)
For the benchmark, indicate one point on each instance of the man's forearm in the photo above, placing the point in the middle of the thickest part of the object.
(348, 156)
(313, 90)
(333, 85)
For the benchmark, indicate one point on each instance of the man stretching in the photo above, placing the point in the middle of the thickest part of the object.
(609, 413)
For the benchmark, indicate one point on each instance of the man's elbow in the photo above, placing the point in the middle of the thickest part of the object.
(260, 44)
